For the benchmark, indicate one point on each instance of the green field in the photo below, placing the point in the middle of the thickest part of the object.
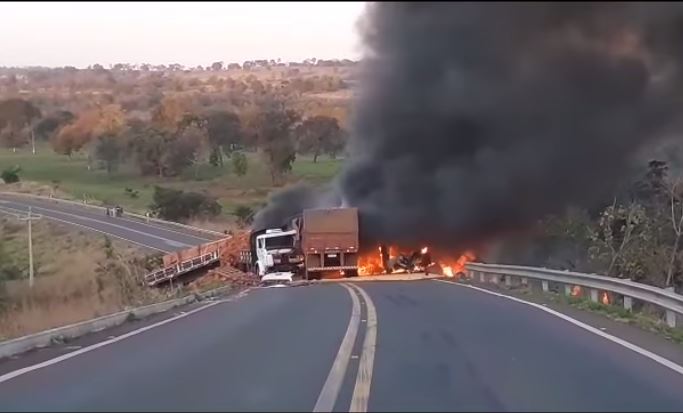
(71, 175)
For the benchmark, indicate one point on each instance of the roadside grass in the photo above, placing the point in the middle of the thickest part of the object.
(641, 319)
(71, 176)
(647, 318)
(74, 278)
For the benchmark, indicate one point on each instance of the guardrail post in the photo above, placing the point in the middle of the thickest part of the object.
(670, 318)
(482, 277)
(525, 281)
(508, 281)
(494, 278)
(567, 290)
(628, 303)
(594, 295)
(544, 284)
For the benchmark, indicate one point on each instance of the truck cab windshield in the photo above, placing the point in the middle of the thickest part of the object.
(280, 242)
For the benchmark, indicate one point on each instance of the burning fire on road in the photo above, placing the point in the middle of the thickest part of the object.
(393, 260)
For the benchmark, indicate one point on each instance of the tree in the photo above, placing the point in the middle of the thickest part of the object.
(319, 134)
(71, 138)
(17, 120)
(217, 66)
(677, 226)
(109, 149)
(13, 136)
(224, 133)
(623, 231)
(148, 145)
(179, 154)
(176, 205)
(169, 114)
(239, 163)
(160, 152)
(91, 124)
(17, 112)
(336, 144)
(51, 124)
(244, 214)
(274, 129)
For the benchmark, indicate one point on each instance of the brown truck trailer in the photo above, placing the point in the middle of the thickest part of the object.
(329, 241)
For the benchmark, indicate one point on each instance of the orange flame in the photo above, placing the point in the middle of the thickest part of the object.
(371, 263)
(605, 298)
(450, 269)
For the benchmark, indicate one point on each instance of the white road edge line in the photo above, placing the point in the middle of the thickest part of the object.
(361, 391)
(330, 391)
(96, 230)
(25, 370)
(645, 353)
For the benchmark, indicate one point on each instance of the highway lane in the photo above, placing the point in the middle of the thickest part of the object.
(445, 347)
(439, 348)
(270, 350)
(149, 235)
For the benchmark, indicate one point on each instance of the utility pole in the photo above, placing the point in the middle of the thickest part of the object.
(30, 218)
(30, 248)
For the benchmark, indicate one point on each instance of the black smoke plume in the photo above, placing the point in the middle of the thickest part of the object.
(476, 119)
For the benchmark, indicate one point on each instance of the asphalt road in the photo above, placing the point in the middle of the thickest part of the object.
(266, 351)
(439, 347)
(422, 345)
(151, 236)
(446, 347)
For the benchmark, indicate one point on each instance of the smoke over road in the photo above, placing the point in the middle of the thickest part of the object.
(475, 119)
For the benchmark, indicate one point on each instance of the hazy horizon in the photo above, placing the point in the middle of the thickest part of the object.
(57, 34)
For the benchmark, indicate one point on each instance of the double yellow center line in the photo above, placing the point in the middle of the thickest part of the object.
(361, 391)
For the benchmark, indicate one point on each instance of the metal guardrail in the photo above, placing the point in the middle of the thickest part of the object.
(667, 299)
(128, 214)
(168, 273)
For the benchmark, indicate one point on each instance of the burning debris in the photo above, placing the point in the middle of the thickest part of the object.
(498, 114)
(389, 261)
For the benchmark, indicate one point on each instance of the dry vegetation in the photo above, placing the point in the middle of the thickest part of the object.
(78, 277)
(231, 132)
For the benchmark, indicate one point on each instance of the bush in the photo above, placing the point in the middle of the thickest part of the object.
(11, 174)
(108, 247)
(9, 270)
(176, 205)
(131, 193)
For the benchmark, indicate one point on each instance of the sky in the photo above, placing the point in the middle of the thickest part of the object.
(190, 33)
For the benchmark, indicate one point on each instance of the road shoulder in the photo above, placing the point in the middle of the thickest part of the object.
(634, 334)
(60, 348)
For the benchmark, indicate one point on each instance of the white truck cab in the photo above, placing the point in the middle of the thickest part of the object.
(276, 254)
